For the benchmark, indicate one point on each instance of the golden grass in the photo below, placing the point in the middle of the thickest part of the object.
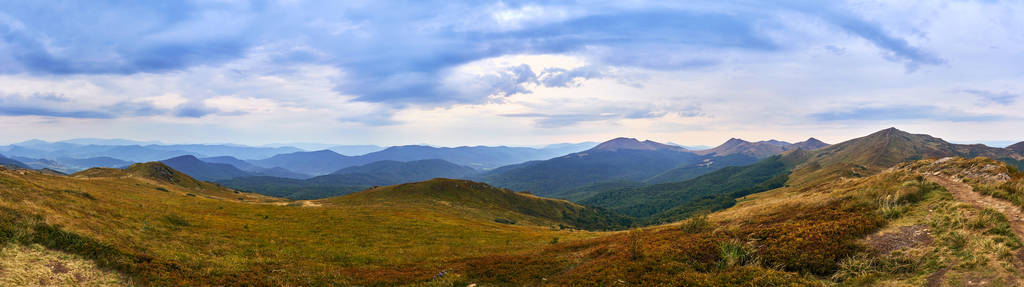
(221, 234)
(34, 265)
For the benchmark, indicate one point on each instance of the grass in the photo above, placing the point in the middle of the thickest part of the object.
(220, 237)
(28, 265)
(441, 233)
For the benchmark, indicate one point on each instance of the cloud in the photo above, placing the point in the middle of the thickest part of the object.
(198, 109)
(898, 113)
(989, 97)
(545, 120)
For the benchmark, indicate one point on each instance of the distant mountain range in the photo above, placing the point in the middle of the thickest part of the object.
(351, 179)
(479, 157)
(9, 162)
(280, 161)
(630, 160)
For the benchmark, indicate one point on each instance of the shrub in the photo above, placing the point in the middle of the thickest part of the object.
(636, 244)
(162, 189)
(504, 221)
(177, 220)
(733, 253)
(696, 224)
(853, 267)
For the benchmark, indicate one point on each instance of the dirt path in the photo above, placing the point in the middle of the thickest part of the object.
(964, 193)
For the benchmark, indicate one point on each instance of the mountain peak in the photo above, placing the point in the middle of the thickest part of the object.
(624, 143)
(1018, 147)
(811, 144)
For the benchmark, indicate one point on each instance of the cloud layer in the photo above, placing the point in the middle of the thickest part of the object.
(426, 71)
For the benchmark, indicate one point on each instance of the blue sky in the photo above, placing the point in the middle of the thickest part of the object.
(454, 73)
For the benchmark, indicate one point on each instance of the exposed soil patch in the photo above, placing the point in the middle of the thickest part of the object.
(57, 267)
(904, 237)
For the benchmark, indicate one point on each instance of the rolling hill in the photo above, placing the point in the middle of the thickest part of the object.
(158, 226)
(254, 170)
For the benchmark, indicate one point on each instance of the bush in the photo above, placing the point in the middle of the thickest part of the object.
(177, 220)
(504, 221)
(733, 253)
(696, 224)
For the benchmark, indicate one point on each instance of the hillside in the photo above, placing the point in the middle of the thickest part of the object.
(202, 170)
(894, 228)
(254, 170)
(872, 153)
(159, 227)
(488, 202)
(555, 177)
(1018, 147)
(667, 202)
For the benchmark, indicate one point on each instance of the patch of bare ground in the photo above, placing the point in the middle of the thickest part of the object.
(901, 238)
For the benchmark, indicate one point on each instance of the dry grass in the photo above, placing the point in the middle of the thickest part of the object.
(218, 235)
(34, 265)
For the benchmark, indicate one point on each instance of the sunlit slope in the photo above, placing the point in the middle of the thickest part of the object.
(828, 233)
(485, 202)
(160, 226)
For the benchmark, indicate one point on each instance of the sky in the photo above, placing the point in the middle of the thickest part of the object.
(509, 73)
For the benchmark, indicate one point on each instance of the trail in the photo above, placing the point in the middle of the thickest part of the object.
(965, 193)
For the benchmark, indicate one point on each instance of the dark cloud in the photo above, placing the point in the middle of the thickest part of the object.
(395, 53)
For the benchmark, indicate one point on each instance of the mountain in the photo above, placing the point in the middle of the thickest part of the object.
(135, 151)
(614, 160)
(810, 144)
(8, 162)
(618, 144)
(202, 170)
(479, 157)
(98, 141)
(311, 162)
(255, 170)
(37, 163)
(84, 163)
(350, 179)
(419, 170)
(885, 148)
(354, 150)
(667, 202)
(761, 149)
(1018, 147)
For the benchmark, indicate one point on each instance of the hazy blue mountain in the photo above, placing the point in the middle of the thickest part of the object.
(354, 150)
(125, 150)
(9, 162)
(351, 179)
(309, 162)
(85, 163)
(201, 170)
(420, 170)
(255, 170)
(98, 141)
(38, 163)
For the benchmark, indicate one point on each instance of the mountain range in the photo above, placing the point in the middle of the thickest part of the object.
(632, 162)
(889, 208)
